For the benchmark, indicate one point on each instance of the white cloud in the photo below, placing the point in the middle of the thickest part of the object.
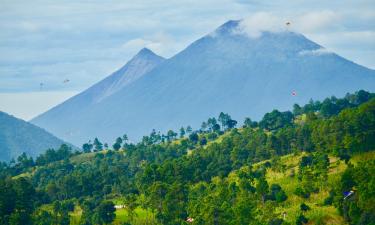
(160, 42)
(317, 21)
(315, 52)
(254, 25)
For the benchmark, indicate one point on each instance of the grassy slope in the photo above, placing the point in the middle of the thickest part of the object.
(318, 214)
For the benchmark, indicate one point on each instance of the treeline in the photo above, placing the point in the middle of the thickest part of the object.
(185, 175)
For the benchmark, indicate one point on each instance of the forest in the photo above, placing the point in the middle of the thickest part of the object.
(312, 165)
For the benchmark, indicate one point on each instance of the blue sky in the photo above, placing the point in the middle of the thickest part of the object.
(84, 41)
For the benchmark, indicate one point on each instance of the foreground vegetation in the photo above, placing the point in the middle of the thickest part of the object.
(313, 165)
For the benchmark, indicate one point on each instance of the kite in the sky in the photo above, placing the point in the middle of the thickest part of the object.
(294, 93)
(287, 23)
(41, 86)
(66, 81)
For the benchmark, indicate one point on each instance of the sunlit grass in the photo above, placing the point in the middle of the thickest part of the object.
(318, 214)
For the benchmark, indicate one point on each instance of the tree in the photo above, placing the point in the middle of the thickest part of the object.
(231, 123)
(125, 139)
(25, 161)
(262, 188)
(276, 120)
(204, 126)
(212, 124)
(328, 108)
(131, 205)
(226, 121)
(119, 140)
(105, 212)
(88, 207)
(98, 145)
(277, 193)
(43, 217)
(87, 147)
(203, 141)
(194, 137)
(116, 146)
(223, 119)
(216, 128)
(301, 219)
(297, 110)
(171, 135)
(189, 130)
(182, 132)
(20, 217)
(304, 207)
(247, 122)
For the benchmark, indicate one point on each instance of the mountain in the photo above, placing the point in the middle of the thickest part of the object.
(226, 70)
(57, 120)
(18, 136)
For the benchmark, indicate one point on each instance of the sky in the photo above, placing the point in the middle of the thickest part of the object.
(84, 41)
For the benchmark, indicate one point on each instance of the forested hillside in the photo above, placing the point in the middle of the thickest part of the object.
(314, 165)
(17, 136)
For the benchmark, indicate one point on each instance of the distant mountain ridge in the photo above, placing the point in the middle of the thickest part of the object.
(138, 66)
(144, 61)
(225, 70)
(18, 136)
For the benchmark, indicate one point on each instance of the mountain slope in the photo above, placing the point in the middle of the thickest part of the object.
(57, 120)
(18, 136)
(224, 71)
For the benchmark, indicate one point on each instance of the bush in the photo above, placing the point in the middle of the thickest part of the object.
(301, 193)
(276, 221)
(301, 219)
(304, 207)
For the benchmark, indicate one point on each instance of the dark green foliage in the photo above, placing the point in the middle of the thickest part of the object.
(329, 199)
(17, 199)
(194, 137)
(98, 146)
(52, 155)
(301, 192)
(158, 173)
(276, 120)
(226, 121)
(301, 219)
(262, 187)
(203, 141)
(277, 194)
(342, 134)
(358, 208)
(182, 132)
(276, 221)
(249, 123)
(304, 207)
(43, 217)
(87, 147)
(104, 213)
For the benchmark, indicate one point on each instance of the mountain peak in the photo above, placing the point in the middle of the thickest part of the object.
(146, 53)
(226, 71)
(228, 27)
